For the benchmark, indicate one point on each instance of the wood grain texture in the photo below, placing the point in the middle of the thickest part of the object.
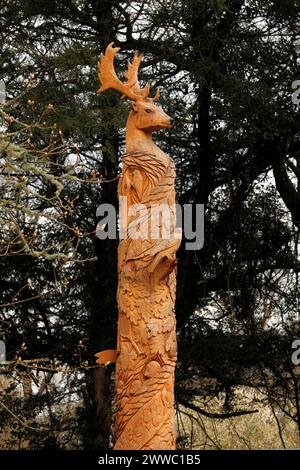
(146, 349)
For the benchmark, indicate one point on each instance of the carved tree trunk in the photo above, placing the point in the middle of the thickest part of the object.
(147, 349)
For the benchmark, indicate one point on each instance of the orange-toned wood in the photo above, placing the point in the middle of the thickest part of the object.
(147, 349)
(106, 357)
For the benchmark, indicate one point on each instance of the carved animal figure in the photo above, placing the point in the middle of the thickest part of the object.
(147, 349)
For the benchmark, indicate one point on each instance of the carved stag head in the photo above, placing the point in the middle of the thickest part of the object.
(146, 113)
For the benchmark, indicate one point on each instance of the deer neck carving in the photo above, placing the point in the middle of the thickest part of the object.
(137, 139)
(146, 348)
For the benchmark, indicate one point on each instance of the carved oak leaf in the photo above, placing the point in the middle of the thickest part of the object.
(163, 311)
(140, 336)
(154, 326)
(168, 324)
(155, 345)
(139, 291)
(161, 295)
(130, 310)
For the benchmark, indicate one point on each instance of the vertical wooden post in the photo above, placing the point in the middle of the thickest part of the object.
(147, 350)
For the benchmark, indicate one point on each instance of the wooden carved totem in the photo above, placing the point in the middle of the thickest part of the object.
(146, 349)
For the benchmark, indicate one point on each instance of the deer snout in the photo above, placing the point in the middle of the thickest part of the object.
(169, 121)
(166, 120)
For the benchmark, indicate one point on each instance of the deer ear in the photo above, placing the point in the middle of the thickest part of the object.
(133, 106)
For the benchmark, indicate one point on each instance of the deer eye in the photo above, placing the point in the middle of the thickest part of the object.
(148, 110)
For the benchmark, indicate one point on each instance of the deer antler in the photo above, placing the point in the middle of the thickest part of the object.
(109, 79)
(157, 95)
(132, 76)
